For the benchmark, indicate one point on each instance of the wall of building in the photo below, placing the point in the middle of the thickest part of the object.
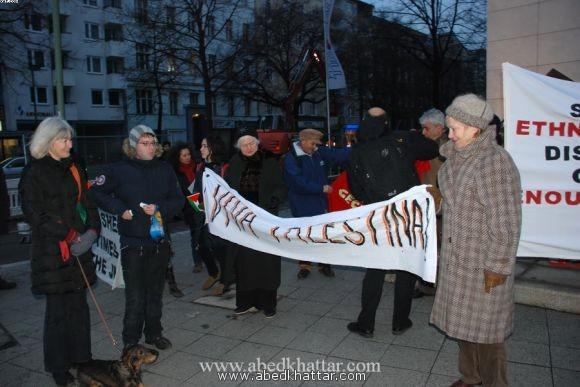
(538, 35)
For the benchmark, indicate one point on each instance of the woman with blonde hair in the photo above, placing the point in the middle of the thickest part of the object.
(65, 224)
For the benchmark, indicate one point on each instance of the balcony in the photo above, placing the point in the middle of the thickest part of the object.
(115, 48)
(70, 111)
(116, 81)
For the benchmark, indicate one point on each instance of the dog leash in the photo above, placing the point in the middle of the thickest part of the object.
(99, 311)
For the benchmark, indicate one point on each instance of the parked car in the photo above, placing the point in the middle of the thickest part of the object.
(13, 166)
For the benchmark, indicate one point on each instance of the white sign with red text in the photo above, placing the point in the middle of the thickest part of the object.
(542, 133)
(398, 234)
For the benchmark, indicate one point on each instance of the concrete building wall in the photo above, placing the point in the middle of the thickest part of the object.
(538, 35)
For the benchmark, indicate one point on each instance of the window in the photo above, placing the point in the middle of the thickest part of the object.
(63, 19)
(268, 109)
(231, 106)
(65, 60)
(212, 63)
(91, 31)
(173, 99)
(247, 107)
(97, 97)
(90, 2)
(115, 97)
(142, 57)
(230, 30)
(144, 99)
(36, 59)
(210, 26)
(94, 64)
(115, 65)
(170, 16)
(171, 63)
(38, 95)
(214, 107)
(114, 32)
(246, 32)
(141, 11)
(112, 3)
(33, 21)
(66, 91)
(194, 98)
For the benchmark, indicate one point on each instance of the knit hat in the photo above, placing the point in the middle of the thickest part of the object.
(136, 133)
(245, 131)
(470, 110)
(310, 135)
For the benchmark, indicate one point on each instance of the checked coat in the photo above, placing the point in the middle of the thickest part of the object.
(481, 192)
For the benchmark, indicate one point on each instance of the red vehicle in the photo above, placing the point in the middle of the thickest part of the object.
(276, 132)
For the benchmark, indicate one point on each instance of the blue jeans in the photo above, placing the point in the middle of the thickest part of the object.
(144, 269)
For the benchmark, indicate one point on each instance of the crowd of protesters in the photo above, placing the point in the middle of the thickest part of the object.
(479, 220)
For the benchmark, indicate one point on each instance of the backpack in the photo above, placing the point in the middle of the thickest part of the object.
(382, 168)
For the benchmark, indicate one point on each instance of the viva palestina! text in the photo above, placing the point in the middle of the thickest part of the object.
(395, 234)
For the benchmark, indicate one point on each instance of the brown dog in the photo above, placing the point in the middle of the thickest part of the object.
(117, 373)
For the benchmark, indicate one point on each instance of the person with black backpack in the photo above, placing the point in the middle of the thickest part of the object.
(380, 167)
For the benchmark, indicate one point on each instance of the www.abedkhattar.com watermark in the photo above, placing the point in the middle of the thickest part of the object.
(287, 369)
(8, 1)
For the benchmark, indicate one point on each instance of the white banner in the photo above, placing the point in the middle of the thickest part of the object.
(396, 234)
(107, 252)
(542, 130)
(334, 72)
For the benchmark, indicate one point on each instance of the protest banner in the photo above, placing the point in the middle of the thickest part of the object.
(107, 252)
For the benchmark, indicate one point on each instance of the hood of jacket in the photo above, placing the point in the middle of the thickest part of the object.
(372, 127)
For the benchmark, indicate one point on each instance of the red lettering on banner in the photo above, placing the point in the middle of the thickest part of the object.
(521, 126)
(560, 128)
(571, 198)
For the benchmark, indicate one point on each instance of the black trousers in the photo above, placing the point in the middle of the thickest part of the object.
(144, 270)
(212, 251)
(373, 290)
(264, 299)
(67, 331)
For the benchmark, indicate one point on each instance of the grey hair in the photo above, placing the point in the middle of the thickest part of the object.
(434, 116)
(237, 146)
(48, 130)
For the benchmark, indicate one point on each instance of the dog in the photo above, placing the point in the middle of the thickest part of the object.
(125, 372)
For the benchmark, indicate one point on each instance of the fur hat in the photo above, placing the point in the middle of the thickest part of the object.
(136, 133)
(310, 135)
(245, 131)
(470, 110)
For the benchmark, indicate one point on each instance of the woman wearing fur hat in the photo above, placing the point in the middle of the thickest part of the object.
(258, 178)
(135, 189)
(480, 184)
(65, 223)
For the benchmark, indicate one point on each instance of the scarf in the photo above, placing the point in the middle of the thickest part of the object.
(188, 170)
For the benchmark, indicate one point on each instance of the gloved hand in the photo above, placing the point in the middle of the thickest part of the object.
(492, 280)
(85, 241)
(434, 191)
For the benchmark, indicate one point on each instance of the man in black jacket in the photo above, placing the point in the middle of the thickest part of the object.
(380, 167)
(134, 189)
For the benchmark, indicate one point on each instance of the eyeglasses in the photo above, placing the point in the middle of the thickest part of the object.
(148, 143)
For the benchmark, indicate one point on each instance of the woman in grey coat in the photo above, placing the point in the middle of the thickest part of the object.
(481, 192)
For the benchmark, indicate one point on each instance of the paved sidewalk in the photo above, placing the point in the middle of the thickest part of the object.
(310, 325)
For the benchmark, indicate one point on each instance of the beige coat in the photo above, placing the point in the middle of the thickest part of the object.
(430, 177)
(481, 228)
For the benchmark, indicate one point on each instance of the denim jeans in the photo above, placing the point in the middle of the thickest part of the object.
(144, 270)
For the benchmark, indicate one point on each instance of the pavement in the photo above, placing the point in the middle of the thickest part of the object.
(310, 325)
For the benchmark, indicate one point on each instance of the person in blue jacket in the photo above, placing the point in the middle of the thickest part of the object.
(306, 175)
(134, 189)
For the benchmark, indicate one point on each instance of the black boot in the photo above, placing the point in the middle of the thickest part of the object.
(170, 278)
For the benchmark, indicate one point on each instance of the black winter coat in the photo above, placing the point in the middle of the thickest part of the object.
(255, 269)
(126, 184)
(49, 195)
(381, 165)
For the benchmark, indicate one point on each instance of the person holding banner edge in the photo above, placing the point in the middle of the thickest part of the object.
(143, 192)
(480, 184)
(381, 166)
(65, 223)
(257, 176)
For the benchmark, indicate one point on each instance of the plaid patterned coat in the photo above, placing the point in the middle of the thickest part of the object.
(481, 228)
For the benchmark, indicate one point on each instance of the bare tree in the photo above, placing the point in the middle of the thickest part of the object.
(209, 35)
(156, 65)
(438, 33)
(274, 53)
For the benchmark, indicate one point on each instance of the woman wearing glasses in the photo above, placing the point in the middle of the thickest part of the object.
(135, 189)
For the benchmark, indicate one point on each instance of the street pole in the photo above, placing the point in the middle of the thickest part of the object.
(58, 58)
